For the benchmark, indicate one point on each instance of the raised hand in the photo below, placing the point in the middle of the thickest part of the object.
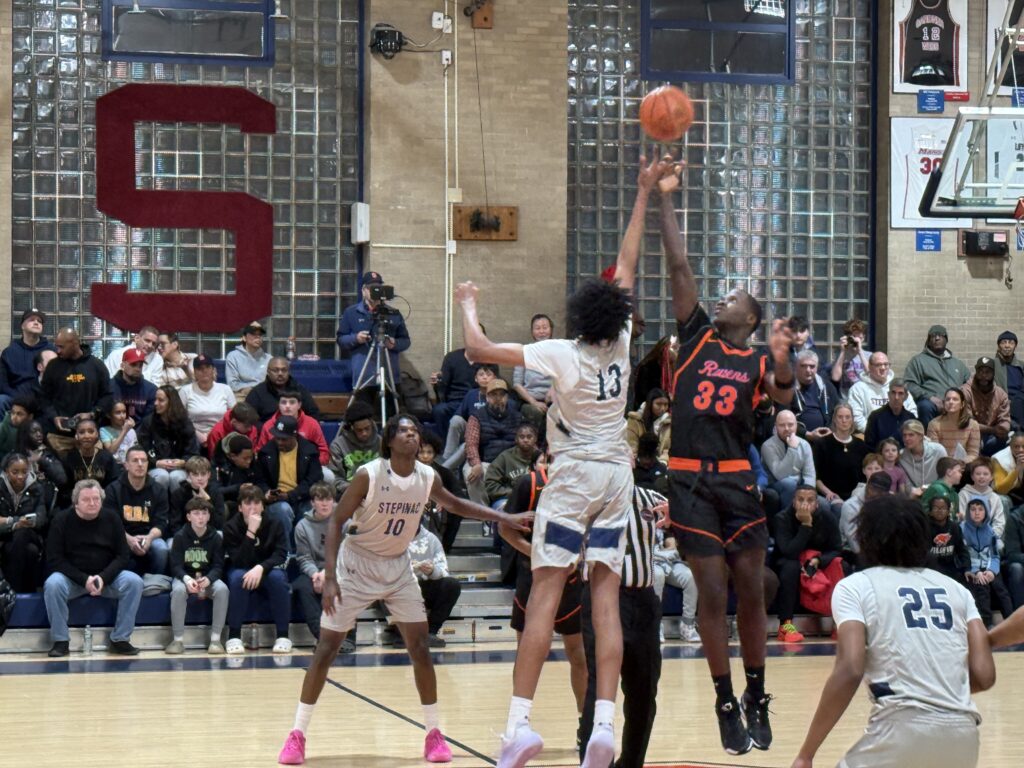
(781, 339)
(466, 292)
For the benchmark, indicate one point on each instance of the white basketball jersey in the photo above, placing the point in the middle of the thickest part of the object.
(916, 623)
(387, 520)
(587, 416)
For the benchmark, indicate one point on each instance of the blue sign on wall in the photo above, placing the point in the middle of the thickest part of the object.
(929, 240)
(930, 101)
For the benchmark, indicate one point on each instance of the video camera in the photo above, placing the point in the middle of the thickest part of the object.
(379, 292)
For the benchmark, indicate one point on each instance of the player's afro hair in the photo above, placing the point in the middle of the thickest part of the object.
(598, 311)
(892, 531)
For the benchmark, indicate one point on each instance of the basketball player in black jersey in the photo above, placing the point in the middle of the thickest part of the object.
(714, 507)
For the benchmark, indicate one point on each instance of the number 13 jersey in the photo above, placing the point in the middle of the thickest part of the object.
(389, 516)
(587, 417)
(716, 388)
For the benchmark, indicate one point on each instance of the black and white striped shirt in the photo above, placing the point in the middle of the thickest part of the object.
(638, 565)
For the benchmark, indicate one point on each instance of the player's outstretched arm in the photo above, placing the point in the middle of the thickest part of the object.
(629, 250)
(474, 511)
(684, 286)
(838, 692)
(343, 511)
(1009, 632)
(779, 383)
(981, 667)
(480, 349)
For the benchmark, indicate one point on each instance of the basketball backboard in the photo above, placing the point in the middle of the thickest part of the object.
(981, 173)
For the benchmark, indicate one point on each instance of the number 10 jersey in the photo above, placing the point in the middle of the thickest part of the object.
(716, 388)
(389, 516)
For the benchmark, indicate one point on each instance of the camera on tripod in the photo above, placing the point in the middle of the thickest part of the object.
(380, 292)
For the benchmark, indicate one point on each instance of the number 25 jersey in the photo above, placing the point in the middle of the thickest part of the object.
(388, 517)
(716, 388)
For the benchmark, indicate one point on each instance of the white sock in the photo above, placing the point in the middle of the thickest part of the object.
(518, 715)
(604, 713)
(303, 714)
(179, 638)
(431, 717)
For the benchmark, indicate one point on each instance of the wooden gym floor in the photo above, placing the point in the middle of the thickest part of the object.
(198, 711)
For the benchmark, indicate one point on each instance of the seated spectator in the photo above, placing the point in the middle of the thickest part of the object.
(356, 443)
(256, 547)
(35, 387)
(439, 520)
(853, 360)
(801, 527)
(671, 569)
(802, 339)
(440, 590)
(932, 372)
(264, 397)
(1009, 469)
(205, 399)
(145, 341)
(954, 429)
(288, 466)
(649, 471)
(532, 388)
(871, 392)
(176, 370)
(980, 474)
(919, 456)
(198, 485)
(889, 450)
(451, 383)
(235, 467)
(950, 473)
(87, 550)
(1013, 555)
(788, 459)
(489, 431)
(168, 437)
(887, 421)
(814, 397)
(1010, 375)
(88, 460)
(130, 388)
(838, 459)
(141, 503)
(947, 555)
(246, 365)
(74, 384)
(511, 464)
(118, 436)
(240, 420)
(23, 520)
(18, 360)
(653, 417)
(42, 461)
(23, 409)
(291, 405)
(197, 563)
(983, 545)
(878, 484)
(310, 542)
(454, 447)
(990, 406)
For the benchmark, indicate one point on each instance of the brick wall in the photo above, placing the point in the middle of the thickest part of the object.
(522, 65)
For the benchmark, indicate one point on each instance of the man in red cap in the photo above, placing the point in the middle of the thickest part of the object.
(130, 388)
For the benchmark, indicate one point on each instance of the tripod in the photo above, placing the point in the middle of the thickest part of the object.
(381, 372)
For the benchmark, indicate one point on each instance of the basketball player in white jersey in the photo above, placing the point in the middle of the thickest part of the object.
(385, 502)
(590, 484)
(915, 637)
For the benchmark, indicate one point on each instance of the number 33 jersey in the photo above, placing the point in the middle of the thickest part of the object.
(587, 417)
(716, 388)
(389, 516)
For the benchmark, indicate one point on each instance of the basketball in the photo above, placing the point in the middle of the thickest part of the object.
(666, 113)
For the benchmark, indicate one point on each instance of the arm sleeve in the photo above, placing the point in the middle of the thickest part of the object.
(912, 378)
(123, 560)
(304, 550)
(846, 604)
(472, 440)
(808, 474)
(231, 371)
(216, 559)
(56, 553)
(791, 536)
(159, 516)
(401, 336)
(279, 553)
(555, 358)
(177, 558)
(346, 332)
(859, 406)
(496, 480)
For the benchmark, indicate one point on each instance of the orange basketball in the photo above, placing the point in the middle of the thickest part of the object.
(666, 113)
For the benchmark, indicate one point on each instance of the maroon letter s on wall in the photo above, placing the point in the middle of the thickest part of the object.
(251, 219)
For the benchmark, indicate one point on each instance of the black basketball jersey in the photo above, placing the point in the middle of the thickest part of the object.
(526, 495)
(716, 386)
(930, 45)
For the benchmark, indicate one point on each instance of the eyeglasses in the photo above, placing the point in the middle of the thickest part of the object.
(881, 365)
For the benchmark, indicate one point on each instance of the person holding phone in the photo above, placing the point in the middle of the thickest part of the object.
(22, 523)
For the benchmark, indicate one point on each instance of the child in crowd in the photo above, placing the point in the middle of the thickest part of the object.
(890, 452)
(119, 435)
(669, 568)
(980, 472)
(197, 563)
(951, 471)
(947, 553)
(983, 547)
(310, 542)
(197, 485)
(438, 520)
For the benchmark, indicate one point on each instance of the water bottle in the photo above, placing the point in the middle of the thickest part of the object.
(254, 636)
(290, 348)
(87, 641)
(378, 634)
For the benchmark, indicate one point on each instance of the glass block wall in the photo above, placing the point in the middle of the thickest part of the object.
(778, 192)
(309, 171)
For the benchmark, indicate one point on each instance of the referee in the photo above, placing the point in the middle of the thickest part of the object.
(640, 610)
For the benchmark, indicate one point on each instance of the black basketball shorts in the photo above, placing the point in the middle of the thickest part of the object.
(567, 617)
(714, 513)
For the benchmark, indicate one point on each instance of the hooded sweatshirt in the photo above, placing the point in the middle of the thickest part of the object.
(349, 453)
(14, 505)
(244, 371)
(981, 541)
(140, 511)
(197, 556)
(997, 516)
(18, 363)
(921, 471)
(930, 375)
(75, 386)
(311, 543)
(221, 431)
(138, 398)
(868, 395)
(947, 554)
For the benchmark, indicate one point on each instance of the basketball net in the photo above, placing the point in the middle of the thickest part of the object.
(766, 7)
(1018, 214)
